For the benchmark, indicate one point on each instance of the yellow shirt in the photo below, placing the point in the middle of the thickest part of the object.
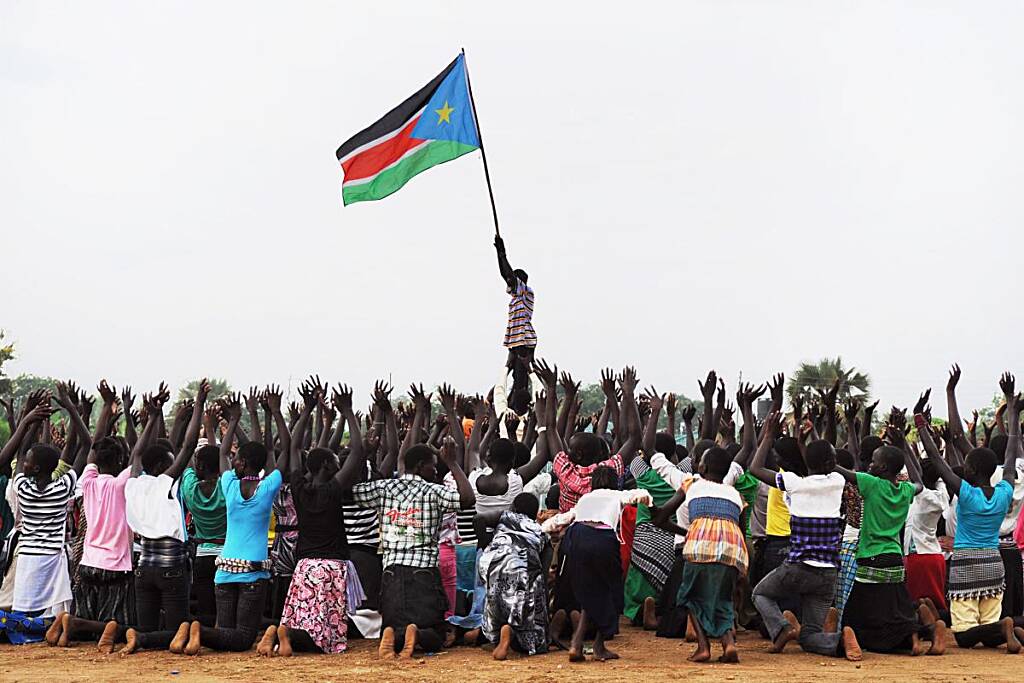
(777, 523)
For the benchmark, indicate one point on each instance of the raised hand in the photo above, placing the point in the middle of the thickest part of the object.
(232, 406)
(707, 388)
(654, 399)
(163, 395)
(922, 401)
(308, 392)
(252, 400)
(628, 380)
(571, 388)
(382, 395)
(343, 399)
(107, 393)
(420, 398)
(203, 392)
(545, 374)
(1006, 383)
(850, 410)
(608, 382)
(127, 399)
(689, 412)
(272, 396)
(777, 386)
(446, 394)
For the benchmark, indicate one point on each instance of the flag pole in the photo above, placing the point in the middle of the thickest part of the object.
(480, 137)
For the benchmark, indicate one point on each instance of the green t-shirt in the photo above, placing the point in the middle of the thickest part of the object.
(747, 484)
(659, 490)
(209, 512)
(885, 512)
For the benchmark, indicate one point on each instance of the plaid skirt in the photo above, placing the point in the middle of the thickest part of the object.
(847, 572)
(976, 573)
(652, 554)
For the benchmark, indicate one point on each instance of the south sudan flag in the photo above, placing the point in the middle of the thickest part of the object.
(433, 126)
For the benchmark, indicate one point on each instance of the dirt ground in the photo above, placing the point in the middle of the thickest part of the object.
(644, 657)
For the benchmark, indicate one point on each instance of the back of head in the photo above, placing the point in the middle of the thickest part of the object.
(253, 455)
(522, 454)
(699, 449)
(788, 450)
(208, 459)
(732, 449)
(979, 466)
(551, 499)
(109, 455)
(929, 473)
(681, 452)
(844, 458)
(318, 457)
(604, 478)
(586, 448)
(156, 458)
(526, 504)
(820, 457)
(521, 274)
(715, 463)
(664, 444)
(501, 455)
(891, 459)
(41, 460)
(417, 456)
(868, 445)
(165, 444)
(998, 445)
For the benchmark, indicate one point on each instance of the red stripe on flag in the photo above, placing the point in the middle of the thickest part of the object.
(375, 159)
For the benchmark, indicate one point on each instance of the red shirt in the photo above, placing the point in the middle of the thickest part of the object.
(574, 480)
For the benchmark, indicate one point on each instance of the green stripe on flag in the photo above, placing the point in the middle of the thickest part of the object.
(392, 179)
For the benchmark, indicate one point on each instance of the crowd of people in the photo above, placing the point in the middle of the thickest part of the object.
(509, 518)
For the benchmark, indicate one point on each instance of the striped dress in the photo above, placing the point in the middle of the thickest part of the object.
(520, 330)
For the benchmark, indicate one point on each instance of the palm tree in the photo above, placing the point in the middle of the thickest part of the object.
(809, 378)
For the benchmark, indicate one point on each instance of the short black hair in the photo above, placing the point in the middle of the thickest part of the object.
(526, 504)
(716, 463)
(416, 456)
(929, 473)
(983, 462)
(698, 451)
(253, 454)
(788, 450)
(892, 458)
(681, 452)
(588, 447)
(109, 454)
(502, 453)
(46, 457)
(868, 445)
(317, 457)
(604, 478)
(844, 458)
(664, 443)
(820, 456)
(522, 452)
(521, 274)
(208, 458)
(156, 458)
(998, 445)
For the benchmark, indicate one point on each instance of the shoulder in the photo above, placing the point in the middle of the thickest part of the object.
(91, 471)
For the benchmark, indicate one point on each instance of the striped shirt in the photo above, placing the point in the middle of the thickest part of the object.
(44, 513)
(520, 330)
(362, 526)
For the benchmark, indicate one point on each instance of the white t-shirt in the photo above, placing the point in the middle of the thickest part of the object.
(922, 520)
(1010, 521)
(152, 507)
(675, 478)
(501, 501)
(816, 495)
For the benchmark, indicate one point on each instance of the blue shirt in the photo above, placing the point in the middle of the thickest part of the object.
(978, 518)
(248, 523)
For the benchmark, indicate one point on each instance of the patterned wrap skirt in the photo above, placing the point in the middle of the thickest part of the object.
(317, 603)
(975, 574)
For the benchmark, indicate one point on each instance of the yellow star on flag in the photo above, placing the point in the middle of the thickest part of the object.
(444, 113)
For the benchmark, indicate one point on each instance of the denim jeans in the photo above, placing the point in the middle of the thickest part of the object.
(816, 586)
(239, 616)
(156, 589)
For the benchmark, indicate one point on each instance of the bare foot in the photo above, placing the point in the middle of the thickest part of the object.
(730, 655)
(650, 614)
(787, 634)
(56, 629)
(1019, 633)
(107, 638)
(939, 639)
(691, 632)
(917, 648)
(931, 607)
(504, 643)
(386, 649)
(603, 654)
(556, 627)
(411, 634)
(701, 654)
(265, 648)
(1012, 644)
(449, 638)
(65, 632)
(928, 618)
(180, 639)
(194, 644)
(831, 624)
(284, 641)
(851, 646)
(131, 642)
(471, 637)
(579, 628)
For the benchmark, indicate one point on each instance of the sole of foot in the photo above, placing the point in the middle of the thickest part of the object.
(131, 637)
(831, 624)
(730, 655)
(180, 639)
(925, 614)
(851, 646)
(788, 634)
(650, 614)
(284, 642)
(65, 634)
(265, 648)
(1012, 643)
(107, 638)
(194, 643)
(931, 607)
(504, 643)
(576, 655)
(938, 647)
(691, 632)
(411, 635)
(386, 649)
(1019, 632)
(56, 629)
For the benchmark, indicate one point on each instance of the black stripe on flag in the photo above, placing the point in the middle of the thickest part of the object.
(396, 118)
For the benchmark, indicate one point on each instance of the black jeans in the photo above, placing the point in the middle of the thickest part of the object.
(203, 572)
(156, 589)
(413, 595)
(239, 616)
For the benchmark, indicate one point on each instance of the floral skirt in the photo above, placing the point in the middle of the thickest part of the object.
(316, 603)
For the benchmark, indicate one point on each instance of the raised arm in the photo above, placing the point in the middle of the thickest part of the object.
(547, 377)
(541, 454)
(446, 394)
(252, 406)
(188, 445)
(154, 405)
(392, 445)
(80, 433)
(828, 401)
(355, 462)
(131, 434)
(707, 390)
(630, 415)
(570, 390)
(473, 453)
(956, 429)
(308, 394)
(467, 498)
(656, 402)
(745, 398)
(273, 394)
(1013, 445)
(232, 411)
(507, 274)
(770, 432)
(611, 402)
(40, 412)
(109, 397)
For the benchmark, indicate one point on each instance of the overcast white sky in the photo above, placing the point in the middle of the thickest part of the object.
(738, 185)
